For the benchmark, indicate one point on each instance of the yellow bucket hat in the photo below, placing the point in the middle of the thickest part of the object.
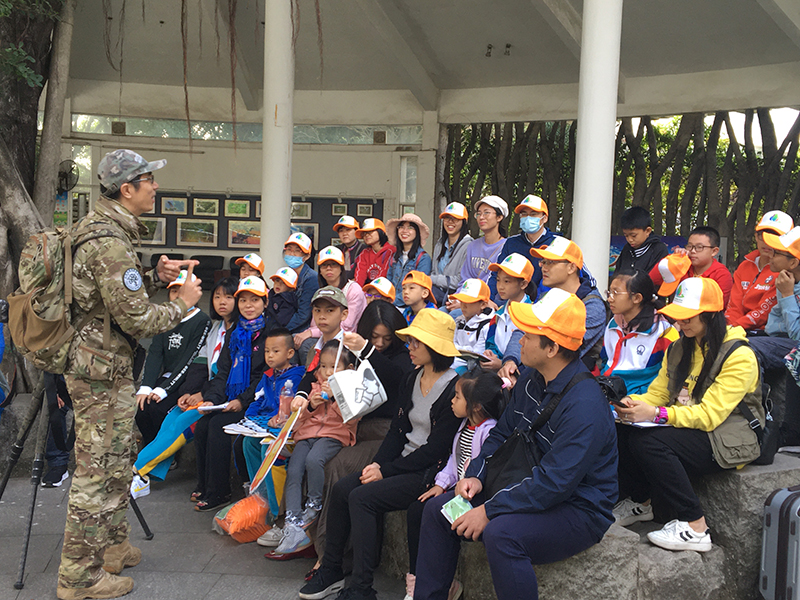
(433, 328)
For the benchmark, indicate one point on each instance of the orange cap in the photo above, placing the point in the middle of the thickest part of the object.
(561, 249)
(382, 286)
(420, 279)
(330, 253)
(252, 259)
(514, 265)
(559, 316)
(256, 285)
(301, 240)
(694, 296)
(672, 268)
(473, 290)
(370, 225)
(788, 242)
(347, 222)
(455, 209)
(533, 203)
(775, 220)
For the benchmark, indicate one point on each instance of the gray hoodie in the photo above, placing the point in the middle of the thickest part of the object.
(449, 278)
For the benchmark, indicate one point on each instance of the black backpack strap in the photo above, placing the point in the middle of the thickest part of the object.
(548, 410)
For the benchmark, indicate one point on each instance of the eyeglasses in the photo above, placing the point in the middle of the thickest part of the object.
(412, 342)
(781, 253)
(696, 247)
(151, 179)
(484, 214)
(546, 262)
(377, 296)
(611, 294)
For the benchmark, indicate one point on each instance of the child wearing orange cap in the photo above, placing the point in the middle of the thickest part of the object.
(282, 301)
(471, 324)
(417, 294)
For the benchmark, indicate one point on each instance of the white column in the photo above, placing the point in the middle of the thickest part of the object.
(276, 193)
(597, 115)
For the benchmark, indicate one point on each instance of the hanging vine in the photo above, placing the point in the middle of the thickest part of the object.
(185, 45)
(232, 42)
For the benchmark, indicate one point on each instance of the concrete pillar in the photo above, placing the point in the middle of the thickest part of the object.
(597, 115)
(276, 194)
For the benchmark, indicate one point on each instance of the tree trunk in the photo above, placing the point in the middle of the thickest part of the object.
(710, 185)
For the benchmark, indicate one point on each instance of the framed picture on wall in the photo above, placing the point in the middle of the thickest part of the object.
(310, 229)
(408, 209)
(197, 232)
(244, 234)
(173, 206)
(156, 230)
(364, 210)
(237, 208)
(338, 210)
(258, 209)
(206, 207)
(301, 211)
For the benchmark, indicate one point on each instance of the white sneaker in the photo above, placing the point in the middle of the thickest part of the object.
(246, 427)
(677, 535)
(271, 538)
(627, 512)
(294, 539)
(140, 486)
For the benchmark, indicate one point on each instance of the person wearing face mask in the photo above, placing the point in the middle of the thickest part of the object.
(533, 216)
(296, 251)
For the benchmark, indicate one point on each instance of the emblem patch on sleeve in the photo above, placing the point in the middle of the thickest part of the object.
(132, 280)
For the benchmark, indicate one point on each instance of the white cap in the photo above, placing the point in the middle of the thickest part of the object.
(181, 279)
(330, 253)
(495, 202)
(776, 220)
(287, 276)
(252, 284)
(301, 240)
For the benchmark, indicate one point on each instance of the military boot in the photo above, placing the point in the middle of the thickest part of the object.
(120, 556)
(108, 586)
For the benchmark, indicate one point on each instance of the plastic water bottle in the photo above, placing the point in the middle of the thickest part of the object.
(285, 400)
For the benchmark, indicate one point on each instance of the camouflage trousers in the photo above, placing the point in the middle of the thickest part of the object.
(98, 499)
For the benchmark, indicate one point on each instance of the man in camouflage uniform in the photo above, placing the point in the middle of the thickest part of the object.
(99, 375)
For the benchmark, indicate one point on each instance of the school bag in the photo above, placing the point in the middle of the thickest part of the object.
(39, 311)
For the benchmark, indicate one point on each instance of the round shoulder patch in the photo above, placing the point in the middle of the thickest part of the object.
(132, 280)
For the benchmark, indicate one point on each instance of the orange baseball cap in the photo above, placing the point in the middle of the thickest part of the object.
(346, 221)
(788, 242)
(672, 268)
(473, 290)
(515, 265)
(694, 296)
(370, 225)
(455, 209)
(559, 316)
(330, 253)
(301, 240)
(252, 259)
(775, 220)
(382, 286)
(420, 279)
(252, 284)
(287, 276)
(561, 249)
(533, 203)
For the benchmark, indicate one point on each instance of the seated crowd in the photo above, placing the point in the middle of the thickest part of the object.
(472, 343)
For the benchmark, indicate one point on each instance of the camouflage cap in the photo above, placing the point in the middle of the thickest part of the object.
(332, 294)
(122, 166)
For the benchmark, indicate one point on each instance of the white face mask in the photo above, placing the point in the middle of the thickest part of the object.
(530, 224)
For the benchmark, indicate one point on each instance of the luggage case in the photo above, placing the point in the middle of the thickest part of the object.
(780, 546)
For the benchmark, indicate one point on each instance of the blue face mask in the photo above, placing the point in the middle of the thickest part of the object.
(530, 224)
(293, 262)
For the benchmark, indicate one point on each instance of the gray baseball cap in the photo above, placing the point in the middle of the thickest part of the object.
(122, 166)
(331, 294)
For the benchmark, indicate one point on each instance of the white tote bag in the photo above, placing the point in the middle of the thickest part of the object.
(357, 392)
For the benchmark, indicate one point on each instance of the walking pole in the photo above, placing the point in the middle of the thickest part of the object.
(30, 418)
(148, 535)
(36, 480)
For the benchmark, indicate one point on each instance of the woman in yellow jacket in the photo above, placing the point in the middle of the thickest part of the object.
(694, 401)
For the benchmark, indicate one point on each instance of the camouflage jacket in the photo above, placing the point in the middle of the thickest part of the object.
(106, 270)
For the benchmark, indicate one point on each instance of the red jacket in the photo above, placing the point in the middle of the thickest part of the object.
(371, 265)
(717, 271)
(753, 293)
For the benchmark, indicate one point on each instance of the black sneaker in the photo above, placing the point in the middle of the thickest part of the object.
(324, 582)
(55, 476)
(351, 594)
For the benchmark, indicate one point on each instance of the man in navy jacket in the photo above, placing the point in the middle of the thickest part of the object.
(565, 505)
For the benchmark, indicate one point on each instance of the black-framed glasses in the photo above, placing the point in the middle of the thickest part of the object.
(696, 247)
(151, 179)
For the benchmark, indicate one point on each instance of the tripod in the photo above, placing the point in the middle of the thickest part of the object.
(39, 406)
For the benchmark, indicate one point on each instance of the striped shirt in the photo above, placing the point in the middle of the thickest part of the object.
(464, 449)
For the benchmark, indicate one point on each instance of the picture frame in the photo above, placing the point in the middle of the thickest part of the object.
(205, 207)
(310, 229)
(258, 209)
(156, 230)
(244, 234)
(237, 209)
(408, 209)
(338, 210)
(173, 206)
(301, 211)
(197, 232)
(364, 210)
(335, 241)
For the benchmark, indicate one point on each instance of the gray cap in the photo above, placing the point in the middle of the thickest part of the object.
(122, 166)
(331, 294)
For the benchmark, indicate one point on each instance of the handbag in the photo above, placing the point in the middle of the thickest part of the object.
(517, 456)
(356, 392)
(613, 387)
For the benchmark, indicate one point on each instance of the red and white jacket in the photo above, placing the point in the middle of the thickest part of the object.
(753, 293)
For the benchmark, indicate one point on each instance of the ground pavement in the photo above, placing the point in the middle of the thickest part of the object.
(185, 559)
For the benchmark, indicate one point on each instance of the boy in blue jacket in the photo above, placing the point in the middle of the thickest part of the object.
(564, 505)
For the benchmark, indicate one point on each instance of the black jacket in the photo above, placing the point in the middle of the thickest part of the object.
(656, 250)
(215, 392)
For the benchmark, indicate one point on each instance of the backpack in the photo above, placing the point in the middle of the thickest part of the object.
(40, 316)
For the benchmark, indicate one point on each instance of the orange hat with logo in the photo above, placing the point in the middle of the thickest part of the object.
(301, 240)
(330, 253)
(672, 268)
(514, 265)
(472, 290)
(287, 276)
(788, 242)
(559, 316)
(181, 279)
(370, 225)
(347, 222)
(252, 259)
(256, 285)
(421, 280)
(777, 221)
(532, 202)
(382, 286)
(561, 249)
(456, 210)
(694, 296)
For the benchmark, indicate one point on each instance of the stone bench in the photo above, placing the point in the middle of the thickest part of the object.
(625, 566)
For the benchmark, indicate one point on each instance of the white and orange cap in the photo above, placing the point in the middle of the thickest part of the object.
(788, 242)
(254, 260)
(694, 296)
(559, 316)
(532, 202)
(382, 286)
(287, 276)
(777, 221)
(301, 240)
(561, 249)
(456, 210)
(672, 269)
(346, 221)
(473, 290)
(370, 225)
(253, 284)
(515, 265)
(181, 279)
(330, 253)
